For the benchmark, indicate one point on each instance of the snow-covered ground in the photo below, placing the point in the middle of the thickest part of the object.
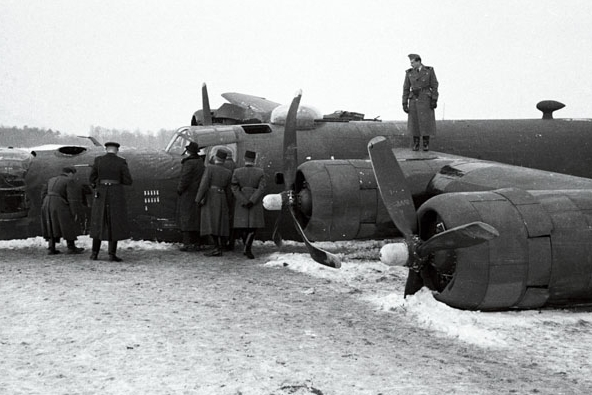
(553, 344)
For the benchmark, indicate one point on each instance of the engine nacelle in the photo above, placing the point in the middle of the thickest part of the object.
(340, 200)
(543, 255)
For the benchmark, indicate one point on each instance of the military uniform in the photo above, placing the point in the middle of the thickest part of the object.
(109, 211)
(420, 94)
(62, 199)
(188, 211)
(213, 194)
(248, 186)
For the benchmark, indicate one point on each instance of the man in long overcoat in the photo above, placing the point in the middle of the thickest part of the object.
(248, 186)
(420, 98)
(189, 212)
(212, 195)
(62, 200)
(109, 211)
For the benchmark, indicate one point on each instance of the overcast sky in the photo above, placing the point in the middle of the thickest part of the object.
(67, 65)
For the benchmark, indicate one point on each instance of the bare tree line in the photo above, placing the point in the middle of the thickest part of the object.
(31, 137)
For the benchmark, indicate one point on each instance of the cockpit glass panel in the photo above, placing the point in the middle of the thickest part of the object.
(305, 116)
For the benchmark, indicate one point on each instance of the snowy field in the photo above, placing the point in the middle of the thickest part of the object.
(167, 322)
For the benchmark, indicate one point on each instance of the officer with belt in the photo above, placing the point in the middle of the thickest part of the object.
(213, 196)
(248, 186)
(420, 98)
(109, 210)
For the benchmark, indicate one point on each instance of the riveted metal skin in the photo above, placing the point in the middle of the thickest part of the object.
(542, 256)
(346, 203)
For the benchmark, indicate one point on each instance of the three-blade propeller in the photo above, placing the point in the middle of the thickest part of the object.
(205, 103)
(398, 201)
(289, 198)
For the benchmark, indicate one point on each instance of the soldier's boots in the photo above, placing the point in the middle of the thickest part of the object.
(72, 249)
(426, 143)
(415, 143)
(187, 248)
(217, 251)
(248, 243)
(114, 258)
(52, 248)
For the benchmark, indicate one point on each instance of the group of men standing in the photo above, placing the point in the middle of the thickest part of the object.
(62, 198)
(219, 201)
(215, 200)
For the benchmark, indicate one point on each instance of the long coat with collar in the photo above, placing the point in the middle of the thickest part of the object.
(188, 211)
(109, 210)
(248, 185)
(214, 192)
(62, 198)
(419, 89)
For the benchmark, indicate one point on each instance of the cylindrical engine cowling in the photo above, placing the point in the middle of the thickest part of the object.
(543, 255)
(345, 201)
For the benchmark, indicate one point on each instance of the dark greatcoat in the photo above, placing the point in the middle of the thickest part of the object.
(188, 211)
(109, 209)
(421, 119)
(62, 198)
(214, 191)
(248, 185)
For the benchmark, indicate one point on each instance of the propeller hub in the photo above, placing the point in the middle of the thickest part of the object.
(394, 254)
(305, 202)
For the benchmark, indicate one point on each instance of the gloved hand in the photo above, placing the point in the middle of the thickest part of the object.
(179, 192)
(406, 107)
(433, 104)
(200, 203)
(247, 205)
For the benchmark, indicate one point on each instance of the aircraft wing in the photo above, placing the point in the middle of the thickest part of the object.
(255, 103)
(534, 227)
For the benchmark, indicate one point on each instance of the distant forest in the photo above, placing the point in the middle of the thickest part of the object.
(32, 137)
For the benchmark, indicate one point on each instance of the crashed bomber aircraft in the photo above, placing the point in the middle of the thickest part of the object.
(541, 255)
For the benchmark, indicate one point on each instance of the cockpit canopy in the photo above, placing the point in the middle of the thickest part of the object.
(305, 117)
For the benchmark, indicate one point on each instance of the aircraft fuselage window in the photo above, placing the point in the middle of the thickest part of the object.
(256, 129)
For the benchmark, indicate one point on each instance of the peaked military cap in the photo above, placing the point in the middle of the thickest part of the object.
(112, 144)
(250, 155)
(69, 169)
(192, 147)
(413, 56)
(220, 154)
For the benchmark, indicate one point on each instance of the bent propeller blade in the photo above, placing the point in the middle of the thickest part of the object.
(290, 143)
(205, 100)
(276, 235)
(321, 256)
(393, 186)
(458, 237)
